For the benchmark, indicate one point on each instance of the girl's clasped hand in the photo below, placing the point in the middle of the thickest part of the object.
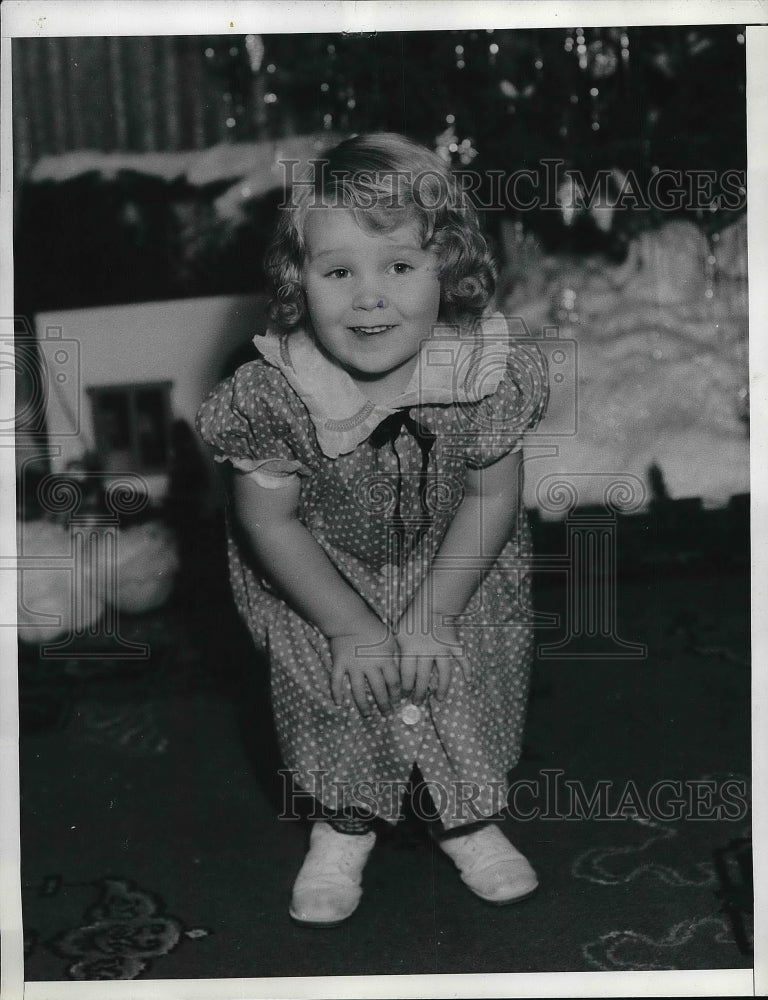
(385, 665)
(369, 656)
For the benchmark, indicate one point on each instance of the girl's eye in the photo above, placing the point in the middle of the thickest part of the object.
(400, 267)
(338, 272)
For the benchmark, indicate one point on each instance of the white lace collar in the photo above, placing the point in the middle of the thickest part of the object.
(451, 369)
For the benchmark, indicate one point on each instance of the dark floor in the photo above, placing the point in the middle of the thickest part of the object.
(151, 848)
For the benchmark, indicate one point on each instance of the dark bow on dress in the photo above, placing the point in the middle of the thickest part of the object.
(387, 433)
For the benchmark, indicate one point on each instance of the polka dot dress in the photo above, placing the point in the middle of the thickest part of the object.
(465, 745)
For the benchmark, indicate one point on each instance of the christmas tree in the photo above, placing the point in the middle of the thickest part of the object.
(629, 102)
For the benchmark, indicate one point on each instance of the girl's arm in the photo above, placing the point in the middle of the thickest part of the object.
(483, 524)
(295, 563)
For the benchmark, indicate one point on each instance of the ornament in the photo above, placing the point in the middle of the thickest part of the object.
(570, 198)
(624, 48)
(466, 151)
(447, 142)
(508, 89)
(602, 59)
(254, 46)
(663, 63)
(697, 44)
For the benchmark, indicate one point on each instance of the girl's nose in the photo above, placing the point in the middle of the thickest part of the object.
(368, 298)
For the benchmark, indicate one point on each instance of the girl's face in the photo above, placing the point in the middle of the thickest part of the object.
(372, 297)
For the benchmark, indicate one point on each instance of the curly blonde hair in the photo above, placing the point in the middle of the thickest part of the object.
(386, 181)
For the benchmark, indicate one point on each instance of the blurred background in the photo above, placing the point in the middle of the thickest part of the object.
(127, 150)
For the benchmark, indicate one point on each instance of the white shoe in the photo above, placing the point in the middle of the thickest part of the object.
(492, 868)
(327, 889)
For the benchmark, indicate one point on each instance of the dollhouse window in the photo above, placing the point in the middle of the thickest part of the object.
(132, 426)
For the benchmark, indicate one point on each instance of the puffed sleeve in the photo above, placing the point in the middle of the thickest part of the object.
(251, 421)
(497, 424)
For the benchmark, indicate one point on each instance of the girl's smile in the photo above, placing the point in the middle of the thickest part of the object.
(372, 298)
(366, 330)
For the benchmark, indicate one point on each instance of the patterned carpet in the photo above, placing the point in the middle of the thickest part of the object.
(149, 794)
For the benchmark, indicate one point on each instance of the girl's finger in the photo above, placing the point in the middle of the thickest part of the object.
(466, 667)
(337, 683)
(392, 679)
(408, 673)
(379, 690)
(444, 674)
(359, 693)
(423, 672)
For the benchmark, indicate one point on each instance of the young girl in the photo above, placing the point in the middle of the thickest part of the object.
(378, 550)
